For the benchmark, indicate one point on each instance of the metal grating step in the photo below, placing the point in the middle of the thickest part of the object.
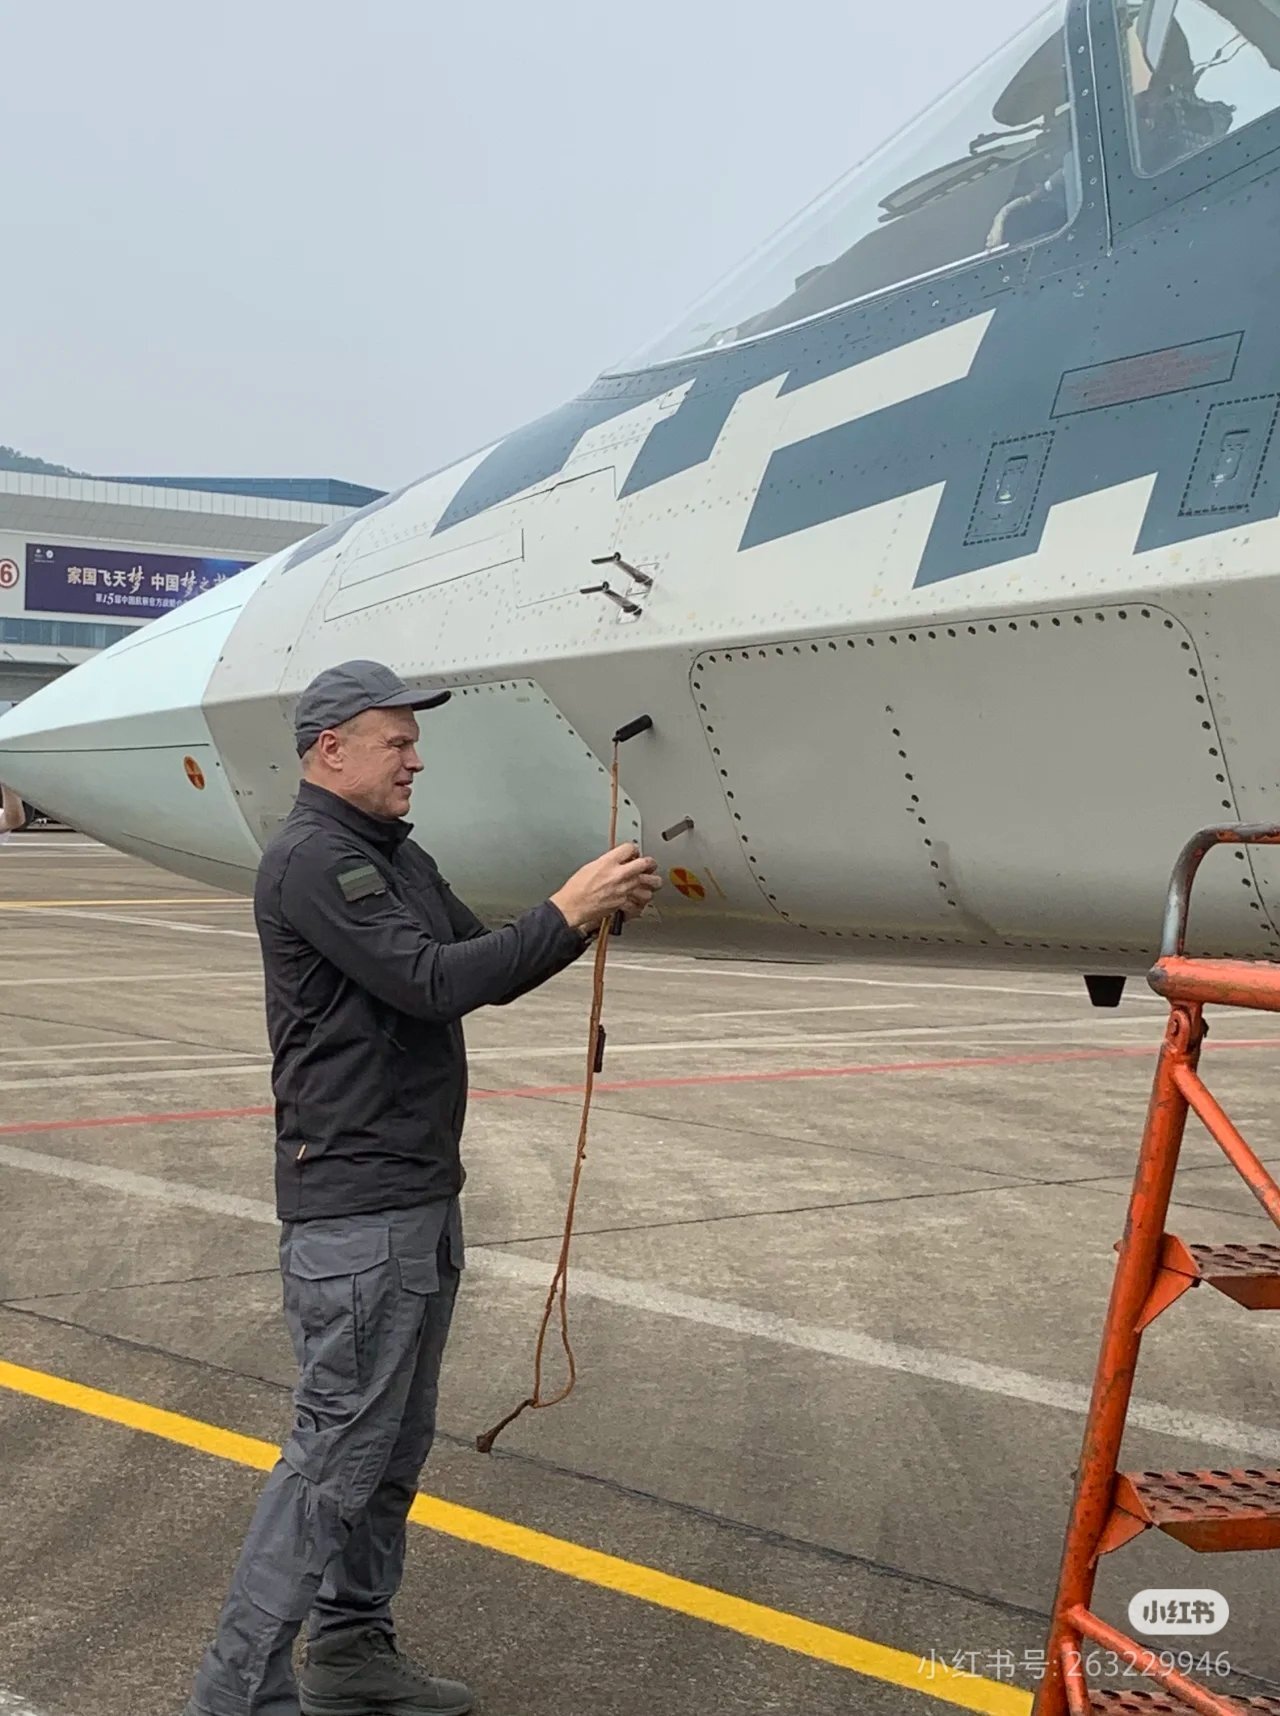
(1210, 1511)
(1124, 1702)
(1249, 1274)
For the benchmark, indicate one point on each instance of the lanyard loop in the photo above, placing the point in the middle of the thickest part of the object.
(559, 1288)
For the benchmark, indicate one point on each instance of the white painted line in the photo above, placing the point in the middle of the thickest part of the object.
(681, 1045)
(80, 1043)
(108, 979)
(806, 1040)
(777, 974)
(542, 1051)
(42, 908)
(174, 1193)
(12, 1705)
(768, 1046)
(111, 1056)
(779, 1012)
(152, 1075)
(1232, 1434)
(1072, 1038)
(93, 1045)
(150, 923)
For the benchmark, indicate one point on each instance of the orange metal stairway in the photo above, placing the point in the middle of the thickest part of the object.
(1208, 1511)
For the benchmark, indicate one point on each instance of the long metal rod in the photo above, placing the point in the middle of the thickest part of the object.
(1253, 983)
(1136, 1269)
(1148, 1663)
(1228, 1138)
(1178, 903)
(1073, 1680)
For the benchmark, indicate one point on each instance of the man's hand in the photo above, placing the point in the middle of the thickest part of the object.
(621, 881)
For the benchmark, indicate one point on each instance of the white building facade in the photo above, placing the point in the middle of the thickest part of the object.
(84, 561)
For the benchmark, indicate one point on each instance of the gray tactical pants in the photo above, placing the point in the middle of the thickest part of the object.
(368, 1301)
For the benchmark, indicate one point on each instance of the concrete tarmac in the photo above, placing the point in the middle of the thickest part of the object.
(844, 1247)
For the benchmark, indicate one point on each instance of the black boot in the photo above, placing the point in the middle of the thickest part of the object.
(359, 1672)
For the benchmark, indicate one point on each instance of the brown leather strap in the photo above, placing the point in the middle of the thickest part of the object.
(559, 1288)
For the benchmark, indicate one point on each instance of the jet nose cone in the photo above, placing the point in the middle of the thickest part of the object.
(119, 746)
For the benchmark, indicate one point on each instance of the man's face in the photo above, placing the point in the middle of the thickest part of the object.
(374, 759)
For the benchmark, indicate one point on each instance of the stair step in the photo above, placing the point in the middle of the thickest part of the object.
(1249, 1274)
(1211, 1511)
(1124, 1702)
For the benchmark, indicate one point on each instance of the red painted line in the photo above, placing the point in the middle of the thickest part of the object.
(868, 1070)
(778, 1075)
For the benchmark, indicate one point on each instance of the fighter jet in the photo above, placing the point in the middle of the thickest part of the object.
(938, 544)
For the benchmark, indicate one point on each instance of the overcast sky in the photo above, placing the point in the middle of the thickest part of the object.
(301, 237)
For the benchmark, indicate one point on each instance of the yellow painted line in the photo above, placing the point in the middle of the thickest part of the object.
(137, 1415)
(572, 1560)
(168, 900)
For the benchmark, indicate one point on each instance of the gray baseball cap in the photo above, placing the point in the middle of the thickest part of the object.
(341, 693)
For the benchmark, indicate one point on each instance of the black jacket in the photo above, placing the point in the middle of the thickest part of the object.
(370, 963)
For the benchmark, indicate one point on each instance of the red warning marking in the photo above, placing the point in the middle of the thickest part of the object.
(686, 883)
(91, 1122)
(194, 773)
(774, 1075)
(871, 1069)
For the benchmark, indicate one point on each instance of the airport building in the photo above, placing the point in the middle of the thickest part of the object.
(83, 560)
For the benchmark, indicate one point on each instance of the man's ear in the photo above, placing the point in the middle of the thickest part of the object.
(328, 748)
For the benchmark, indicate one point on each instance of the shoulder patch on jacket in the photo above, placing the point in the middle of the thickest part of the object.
(358, 881)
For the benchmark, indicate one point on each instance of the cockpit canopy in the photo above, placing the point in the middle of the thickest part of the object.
(1197, 70)
(993, 166)
(942, 190)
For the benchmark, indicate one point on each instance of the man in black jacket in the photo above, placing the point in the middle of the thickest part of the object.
(371, 962)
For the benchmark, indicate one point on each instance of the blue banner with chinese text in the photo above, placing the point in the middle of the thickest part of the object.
(120, 581)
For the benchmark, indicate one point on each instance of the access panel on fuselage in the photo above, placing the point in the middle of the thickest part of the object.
(1008, 783)
(822, 792)
(511, 800)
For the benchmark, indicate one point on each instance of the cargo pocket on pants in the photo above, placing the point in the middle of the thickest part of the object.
(331, 1294)
(418, 1275)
